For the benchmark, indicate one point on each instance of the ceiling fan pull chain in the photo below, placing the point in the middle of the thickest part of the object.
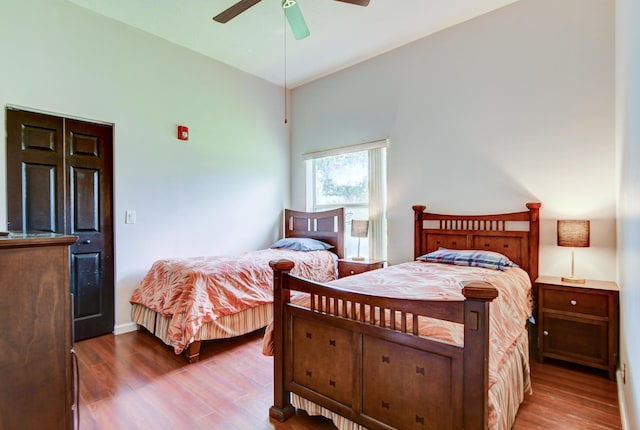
(284, 37)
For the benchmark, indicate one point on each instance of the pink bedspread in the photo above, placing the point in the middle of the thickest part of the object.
(435, 281)
(198, 290)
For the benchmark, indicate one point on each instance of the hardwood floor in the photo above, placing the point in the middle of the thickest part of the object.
(133, 381)
(569, 397)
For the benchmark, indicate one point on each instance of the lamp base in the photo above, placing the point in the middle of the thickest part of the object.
(573, 280)
(357, 258)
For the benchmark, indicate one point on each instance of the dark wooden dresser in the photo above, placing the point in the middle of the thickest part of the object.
(36, 340)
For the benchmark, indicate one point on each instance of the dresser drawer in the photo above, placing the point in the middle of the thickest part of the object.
(575, 301)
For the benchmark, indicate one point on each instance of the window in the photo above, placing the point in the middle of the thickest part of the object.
(354, 178)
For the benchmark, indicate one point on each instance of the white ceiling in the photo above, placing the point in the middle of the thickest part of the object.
(341, 34)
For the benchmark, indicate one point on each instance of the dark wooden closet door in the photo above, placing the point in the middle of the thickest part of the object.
(59, 179)
(89, 216)
(35, 172)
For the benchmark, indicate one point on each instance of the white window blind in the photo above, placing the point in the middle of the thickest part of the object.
(378, 203)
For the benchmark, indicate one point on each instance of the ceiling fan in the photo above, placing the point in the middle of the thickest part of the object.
(291, 10)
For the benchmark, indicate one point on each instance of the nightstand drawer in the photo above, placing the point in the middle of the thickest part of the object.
(354, 267)
(575, 301)
(348, 269)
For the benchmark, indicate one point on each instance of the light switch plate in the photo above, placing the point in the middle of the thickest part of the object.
(129, 217)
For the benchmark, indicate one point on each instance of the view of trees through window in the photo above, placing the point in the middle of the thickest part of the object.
(343, 181)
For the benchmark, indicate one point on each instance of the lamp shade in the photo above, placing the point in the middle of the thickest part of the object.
(574, 233)
(359, 228)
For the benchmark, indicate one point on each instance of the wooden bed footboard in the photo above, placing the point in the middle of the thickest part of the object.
(361, 357)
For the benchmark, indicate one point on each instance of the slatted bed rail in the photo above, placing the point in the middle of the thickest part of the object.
(351, 353)
(367, 308)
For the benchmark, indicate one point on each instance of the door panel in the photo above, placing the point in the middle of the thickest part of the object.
(59, 179)
(85, 192)
(86, 267)
(40, 211)
(35, 172)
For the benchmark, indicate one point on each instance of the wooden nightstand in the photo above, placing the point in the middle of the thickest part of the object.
(578, 322)
(347, 267)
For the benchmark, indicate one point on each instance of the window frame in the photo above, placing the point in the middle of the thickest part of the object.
(377, 176)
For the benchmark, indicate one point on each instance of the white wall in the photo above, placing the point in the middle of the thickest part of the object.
(221, 192)
(514, 106)
(628, 140)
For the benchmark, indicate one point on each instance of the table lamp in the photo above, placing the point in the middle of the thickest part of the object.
(573, 233)
(359, 229)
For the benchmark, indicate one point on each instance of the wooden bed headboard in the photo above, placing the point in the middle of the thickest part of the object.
(327, 226)
(515, 235)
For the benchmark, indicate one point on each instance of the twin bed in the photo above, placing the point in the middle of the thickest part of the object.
(184, 301)
(439, 344)
(436, 343)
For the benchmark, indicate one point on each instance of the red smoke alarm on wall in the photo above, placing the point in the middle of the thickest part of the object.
(183, 132)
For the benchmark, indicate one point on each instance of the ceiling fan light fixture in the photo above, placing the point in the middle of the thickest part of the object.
(296, 20)
(288, 3)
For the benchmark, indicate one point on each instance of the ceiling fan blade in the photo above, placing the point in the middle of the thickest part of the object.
(356, 2)
(296, 21)
(234, 10)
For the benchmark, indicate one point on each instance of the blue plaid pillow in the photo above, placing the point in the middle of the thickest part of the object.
(301, 244)
(469, 257)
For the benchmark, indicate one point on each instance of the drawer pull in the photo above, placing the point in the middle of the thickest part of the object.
(352, 272)
(546, 333)
(573, 302)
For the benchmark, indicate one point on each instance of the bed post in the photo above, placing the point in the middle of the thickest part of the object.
(534, 238)
(478, 297)
(417, 230)
(281, 409)
(193, 352)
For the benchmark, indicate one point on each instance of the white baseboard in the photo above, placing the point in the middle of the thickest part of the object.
(125, 328)
(621, 401)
